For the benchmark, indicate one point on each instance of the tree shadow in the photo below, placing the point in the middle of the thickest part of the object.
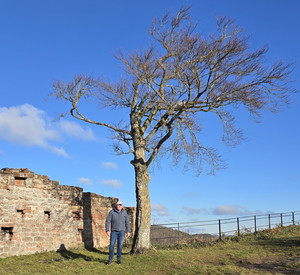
(105, 252)
(280, 243)
(274, 266)
(97, 251)
(285, 259)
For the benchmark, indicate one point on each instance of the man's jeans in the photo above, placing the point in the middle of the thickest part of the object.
(114, 236)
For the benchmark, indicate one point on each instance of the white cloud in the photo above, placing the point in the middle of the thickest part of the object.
(73, 129)
(25, 125)
(114, 183)
(160, 209)
(226, 210)
(28, 126)
(194, 211)
(222, 210)
(85, 181)
(233, 210)
(57, 150)
(109, 165)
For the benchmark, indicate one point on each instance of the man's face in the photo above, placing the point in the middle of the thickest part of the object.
(119, 207)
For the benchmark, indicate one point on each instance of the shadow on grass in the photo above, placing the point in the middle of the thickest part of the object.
(280, 243)
(69, 255)
(104, 253)
(284, 260)
(274, 265)
(97, 251)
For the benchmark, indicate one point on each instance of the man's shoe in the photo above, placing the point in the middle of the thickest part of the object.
(109, 262)
(119, 262)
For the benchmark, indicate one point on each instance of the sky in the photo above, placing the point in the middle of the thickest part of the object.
(42, 41)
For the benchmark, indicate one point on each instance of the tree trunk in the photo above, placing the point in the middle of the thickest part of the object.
(141, 239)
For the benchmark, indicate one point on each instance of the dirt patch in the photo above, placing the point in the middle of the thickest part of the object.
(274, 264)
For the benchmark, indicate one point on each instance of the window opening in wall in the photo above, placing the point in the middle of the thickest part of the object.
(20, 180)
(47, 213)
(21, 211)
(7, 232)
(76, 215)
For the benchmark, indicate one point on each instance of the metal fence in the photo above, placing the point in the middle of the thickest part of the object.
(172, 233)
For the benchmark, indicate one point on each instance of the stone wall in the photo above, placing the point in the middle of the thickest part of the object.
(37, 214)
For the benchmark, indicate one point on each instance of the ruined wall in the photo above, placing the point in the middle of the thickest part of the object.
(37, 214)
(96, 209)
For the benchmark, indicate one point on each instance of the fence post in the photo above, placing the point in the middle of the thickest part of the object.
(220, 232)
(269, 221)
(178, 235)
(255, 224)
(238, 226)
(281, 222)
(293, 218)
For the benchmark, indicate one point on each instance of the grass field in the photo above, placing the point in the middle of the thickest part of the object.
(275, 251)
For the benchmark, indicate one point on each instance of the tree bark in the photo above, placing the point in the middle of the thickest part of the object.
(141, 239)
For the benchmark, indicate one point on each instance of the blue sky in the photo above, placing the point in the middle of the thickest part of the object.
(46, 40)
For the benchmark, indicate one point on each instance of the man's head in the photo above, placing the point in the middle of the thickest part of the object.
(119, 205)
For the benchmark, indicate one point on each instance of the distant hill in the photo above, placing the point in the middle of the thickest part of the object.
(168, 236)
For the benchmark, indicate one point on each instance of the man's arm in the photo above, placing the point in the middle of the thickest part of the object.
(127, 225)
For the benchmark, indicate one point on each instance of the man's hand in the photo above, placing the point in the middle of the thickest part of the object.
(108, 233)
(128, 234)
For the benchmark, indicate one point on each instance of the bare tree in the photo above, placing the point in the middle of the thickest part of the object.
(168, 86)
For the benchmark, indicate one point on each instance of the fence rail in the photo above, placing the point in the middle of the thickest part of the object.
(171, 233)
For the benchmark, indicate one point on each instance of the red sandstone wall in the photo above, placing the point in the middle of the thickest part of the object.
(37, 214)
(98, 208)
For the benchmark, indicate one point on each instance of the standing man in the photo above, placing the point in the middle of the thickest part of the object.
(116, 221)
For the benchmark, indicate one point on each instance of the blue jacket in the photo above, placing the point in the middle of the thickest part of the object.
(117, 221)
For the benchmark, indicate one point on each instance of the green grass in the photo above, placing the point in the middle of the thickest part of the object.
(275, 251)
